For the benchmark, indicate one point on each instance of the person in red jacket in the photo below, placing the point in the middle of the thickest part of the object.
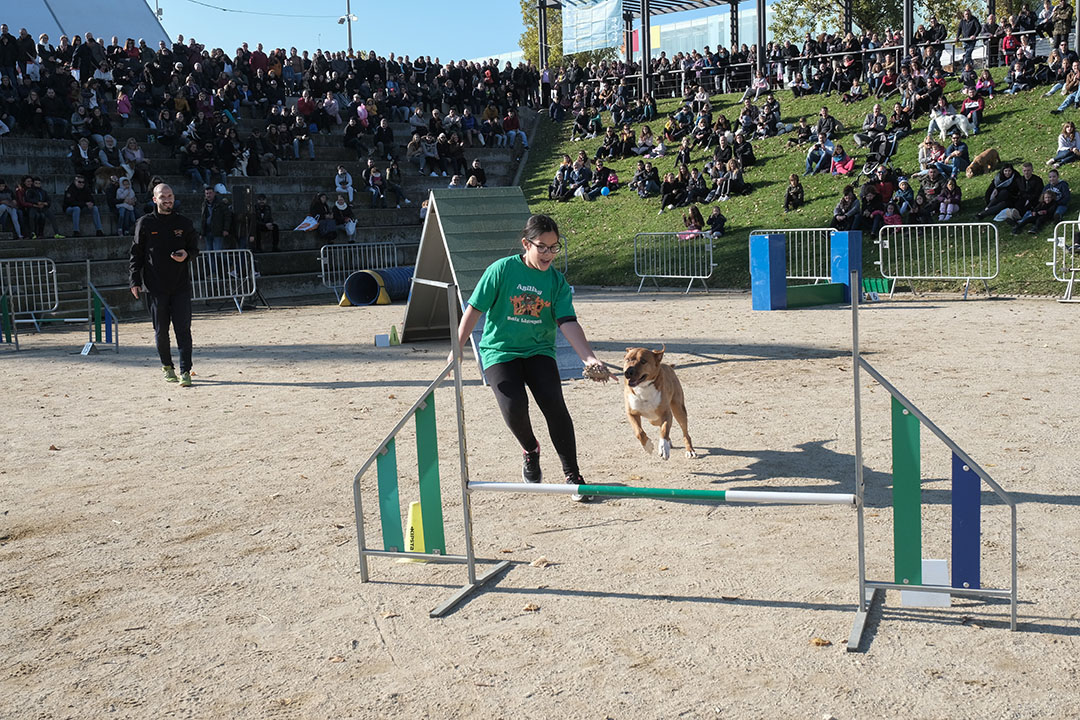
(512, 128)
(972, 108)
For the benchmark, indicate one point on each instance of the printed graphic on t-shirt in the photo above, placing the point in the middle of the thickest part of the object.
(528, 305)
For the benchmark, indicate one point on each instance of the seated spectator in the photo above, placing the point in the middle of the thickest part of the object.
(872, 210)
(354, 137)
(693, 221)
(1060, 188)
(392, 182)
(793, 196)
(931, 154)
(9, 209)
(819, 156)
(125, 207)
(1039, 214)
(39, 204)
(646, 180)
(135, 164)
(343, 183)
(846, 214)
(477, 171)
(841, 163)
(457, 182)
(951, 197)
(300, 134)
(1029, 188)
(904, 197)
(320, 210)
(512, 128)
(984, 87)
(923, 211)
(671, 193)
(343, 217)
(743, 151)
(77, 198)
(1068, 147)
(84, 160)
(972, 107)
(874, 125)
(956, 157)
(892, 215)
(716, 222)
(1001, 194)
(109, 153)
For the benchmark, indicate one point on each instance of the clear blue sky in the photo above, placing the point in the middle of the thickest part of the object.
(450, 30)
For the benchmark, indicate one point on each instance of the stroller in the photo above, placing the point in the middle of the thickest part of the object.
(880, 152)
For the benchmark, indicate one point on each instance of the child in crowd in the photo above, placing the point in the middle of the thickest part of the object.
(802, 134)
(892, 215)
(904, 197)
(842, 163)
(793, 196)
(950, 200)
(693, 220)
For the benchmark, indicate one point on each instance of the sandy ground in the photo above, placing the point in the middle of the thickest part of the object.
(172, 553)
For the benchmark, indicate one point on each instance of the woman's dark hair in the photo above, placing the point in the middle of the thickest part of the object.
(538, 225)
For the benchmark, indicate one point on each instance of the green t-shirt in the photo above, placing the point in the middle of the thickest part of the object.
(523, 307)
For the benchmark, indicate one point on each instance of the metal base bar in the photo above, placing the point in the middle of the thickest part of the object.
(714, 496)
(466, 590)
(945, 589)
(419, 557)
(858, 627)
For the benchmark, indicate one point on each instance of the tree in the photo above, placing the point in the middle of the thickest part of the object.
(792, 19)
(529, 40)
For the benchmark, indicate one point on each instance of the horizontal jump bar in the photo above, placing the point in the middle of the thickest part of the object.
(944, 589)
(716, 496)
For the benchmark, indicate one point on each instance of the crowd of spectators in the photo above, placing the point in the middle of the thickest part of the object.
(191, 99)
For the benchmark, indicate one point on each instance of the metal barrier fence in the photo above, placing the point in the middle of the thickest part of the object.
(961, 251)
(224, 275)
(338, 262)
(31, 287)
(1065, 259)
(685, 255)
(808, 252)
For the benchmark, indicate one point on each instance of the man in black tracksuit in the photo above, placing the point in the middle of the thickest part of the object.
(165, 243)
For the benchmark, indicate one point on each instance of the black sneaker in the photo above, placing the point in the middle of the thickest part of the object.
(576, 479)
(530, 466)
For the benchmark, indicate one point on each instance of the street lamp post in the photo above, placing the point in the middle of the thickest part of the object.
(347, 19)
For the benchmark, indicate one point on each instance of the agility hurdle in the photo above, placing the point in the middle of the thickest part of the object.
(808, 253)
(769, 258)
(949, 251)
(907, 541)
(1065, 258)
(907, 518)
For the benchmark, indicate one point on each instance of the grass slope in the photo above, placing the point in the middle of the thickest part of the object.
(600, 234)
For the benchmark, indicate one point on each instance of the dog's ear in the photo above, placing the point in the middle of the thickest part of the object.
(660, 353)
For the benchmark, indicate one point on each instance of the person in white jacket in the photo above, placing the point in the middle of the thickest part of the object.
(343, 182)
(1068, 147)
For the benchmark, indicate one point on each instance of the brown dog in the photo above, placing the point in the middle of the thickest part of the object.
(984, 162)
(652, 391)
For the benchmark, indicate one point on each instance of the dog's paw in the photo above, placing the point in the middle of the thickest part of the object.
(691, 454)
(649, 446)
(664, 450)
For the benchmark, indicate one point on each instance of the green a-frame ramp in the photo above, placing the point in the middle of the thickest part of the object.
(465, 231)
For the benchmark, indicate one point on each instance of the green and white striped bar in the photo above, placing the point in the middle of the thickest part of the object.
(714, 496)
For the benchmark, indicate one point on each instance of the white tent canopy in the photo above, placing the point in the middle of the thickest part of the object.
(104, 18)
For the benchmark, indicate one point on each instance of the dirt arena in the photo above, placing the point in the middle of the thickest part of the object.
(192, 553)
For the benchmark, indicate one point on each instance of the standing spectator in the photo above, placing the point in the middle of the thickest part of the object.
(264, 223)
(216, 220)
(165, 243)
(77, 198)
(966, 32)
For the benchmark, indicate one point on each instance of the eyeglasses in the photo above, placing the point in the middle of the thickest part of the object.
(546, 249)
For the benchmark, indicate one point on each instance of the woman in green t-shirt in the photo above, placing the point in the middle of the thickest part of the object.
(526, 301)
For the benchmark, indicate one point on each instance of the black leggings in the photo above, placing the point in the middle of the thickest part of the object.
(541, 373)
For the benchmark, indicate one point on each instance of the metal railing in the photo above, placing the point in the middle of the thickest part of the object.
(31, 286)
(224, 275)
(685, 256)
(808, 252)
(951, 251)
(338, 262)
(1065, 259)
